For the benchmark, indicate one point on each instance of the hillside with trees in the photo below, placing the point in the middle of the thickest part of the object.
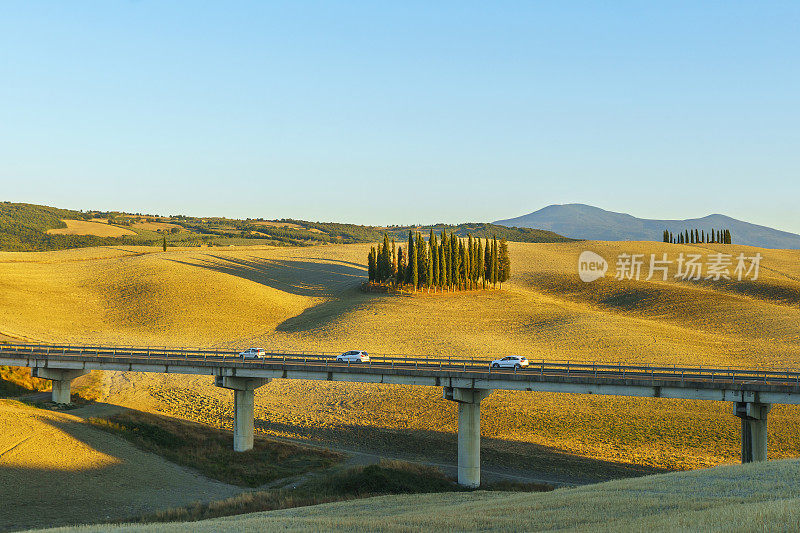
(444, 262)
(24, 227)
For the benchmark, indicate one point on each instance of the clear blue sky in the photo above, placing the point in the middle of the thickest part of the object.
(403, 112)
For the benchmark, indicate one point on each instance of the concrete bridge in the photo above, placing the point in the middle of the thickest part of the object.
(466, 382)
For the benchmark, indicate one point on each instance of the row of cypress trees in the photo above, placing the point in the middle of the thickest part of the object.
(694, 236)
(444, 262)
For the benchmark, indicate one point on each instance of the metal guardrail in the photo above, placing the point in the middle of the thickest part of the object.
(543, 367)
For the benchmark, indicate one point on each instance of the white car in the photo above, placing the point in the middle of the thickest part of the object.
(353, 356)
(512, 361)
(253, 353)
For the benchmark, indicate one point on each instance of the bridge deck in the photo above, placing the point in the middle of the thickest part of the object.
(721, 384)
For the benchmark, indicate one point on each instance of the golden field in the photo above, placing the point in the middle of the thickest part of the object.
(308, 299)
(98, 227)
(754, 497)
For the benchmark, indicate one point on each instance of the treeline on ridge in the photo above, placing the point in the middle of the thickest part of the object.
(23, 227)
(444, 262)
(696, 236)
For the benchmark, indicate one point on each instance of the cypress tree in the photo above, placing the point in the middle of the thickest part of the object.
(386, 259)
(413, 261)
(466, 264)
(411, 257)
(165, 243)
(494, 262)
(487, 263)
(371, 264)
(702, 235)
(456, 266)
(462, 265)
(401, 266)
(470, 259)
(457, 251)
(446, 279)
(428, 269)
(442, 268)
(394, 261)
(434, 258)
(479, 263)
(378, 262)
(476, 260)
(504, 263)
(727, 236)
(421, 267)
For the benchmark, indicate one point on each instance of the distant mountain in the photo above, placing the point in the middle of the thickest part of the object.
(581, 221)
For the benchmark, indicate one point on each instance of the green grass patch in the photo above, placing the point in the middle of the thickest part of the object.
(385, 478)
(210, 450)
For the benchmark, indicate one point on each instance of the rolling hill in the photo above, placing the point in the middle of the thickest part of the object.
(308, 298)
(581, 221)
(754, 497)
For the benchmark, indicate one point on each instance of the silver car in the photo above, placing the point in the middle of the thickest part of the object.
(353, 356)
(253, 353)
(512, 361)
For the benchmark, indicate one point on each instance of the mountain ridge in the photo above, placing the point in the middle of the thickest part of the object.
(582, 221)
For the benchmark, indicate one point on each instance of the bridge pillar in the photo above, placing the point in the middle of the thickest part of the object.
(243, 408)
(469, 433)
(61, 379)
(754, 430)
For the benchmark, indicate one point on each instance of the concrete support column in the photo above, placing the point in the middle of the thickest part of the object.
(754, 430)
(469, 433)
(243, 408)
(61, 380)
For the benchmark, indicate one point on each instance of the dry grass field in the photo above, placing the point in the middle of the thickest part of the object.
(57, 470)
(308, 299)
(756, 497)
(89, 227)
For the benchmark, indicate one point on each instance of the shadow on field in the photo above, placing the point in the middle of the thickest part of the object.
(337, 281)
(508, 458)
(48, 497)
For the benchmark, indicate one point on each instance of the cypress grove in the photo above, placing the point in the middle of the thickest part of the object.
(441, 263)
